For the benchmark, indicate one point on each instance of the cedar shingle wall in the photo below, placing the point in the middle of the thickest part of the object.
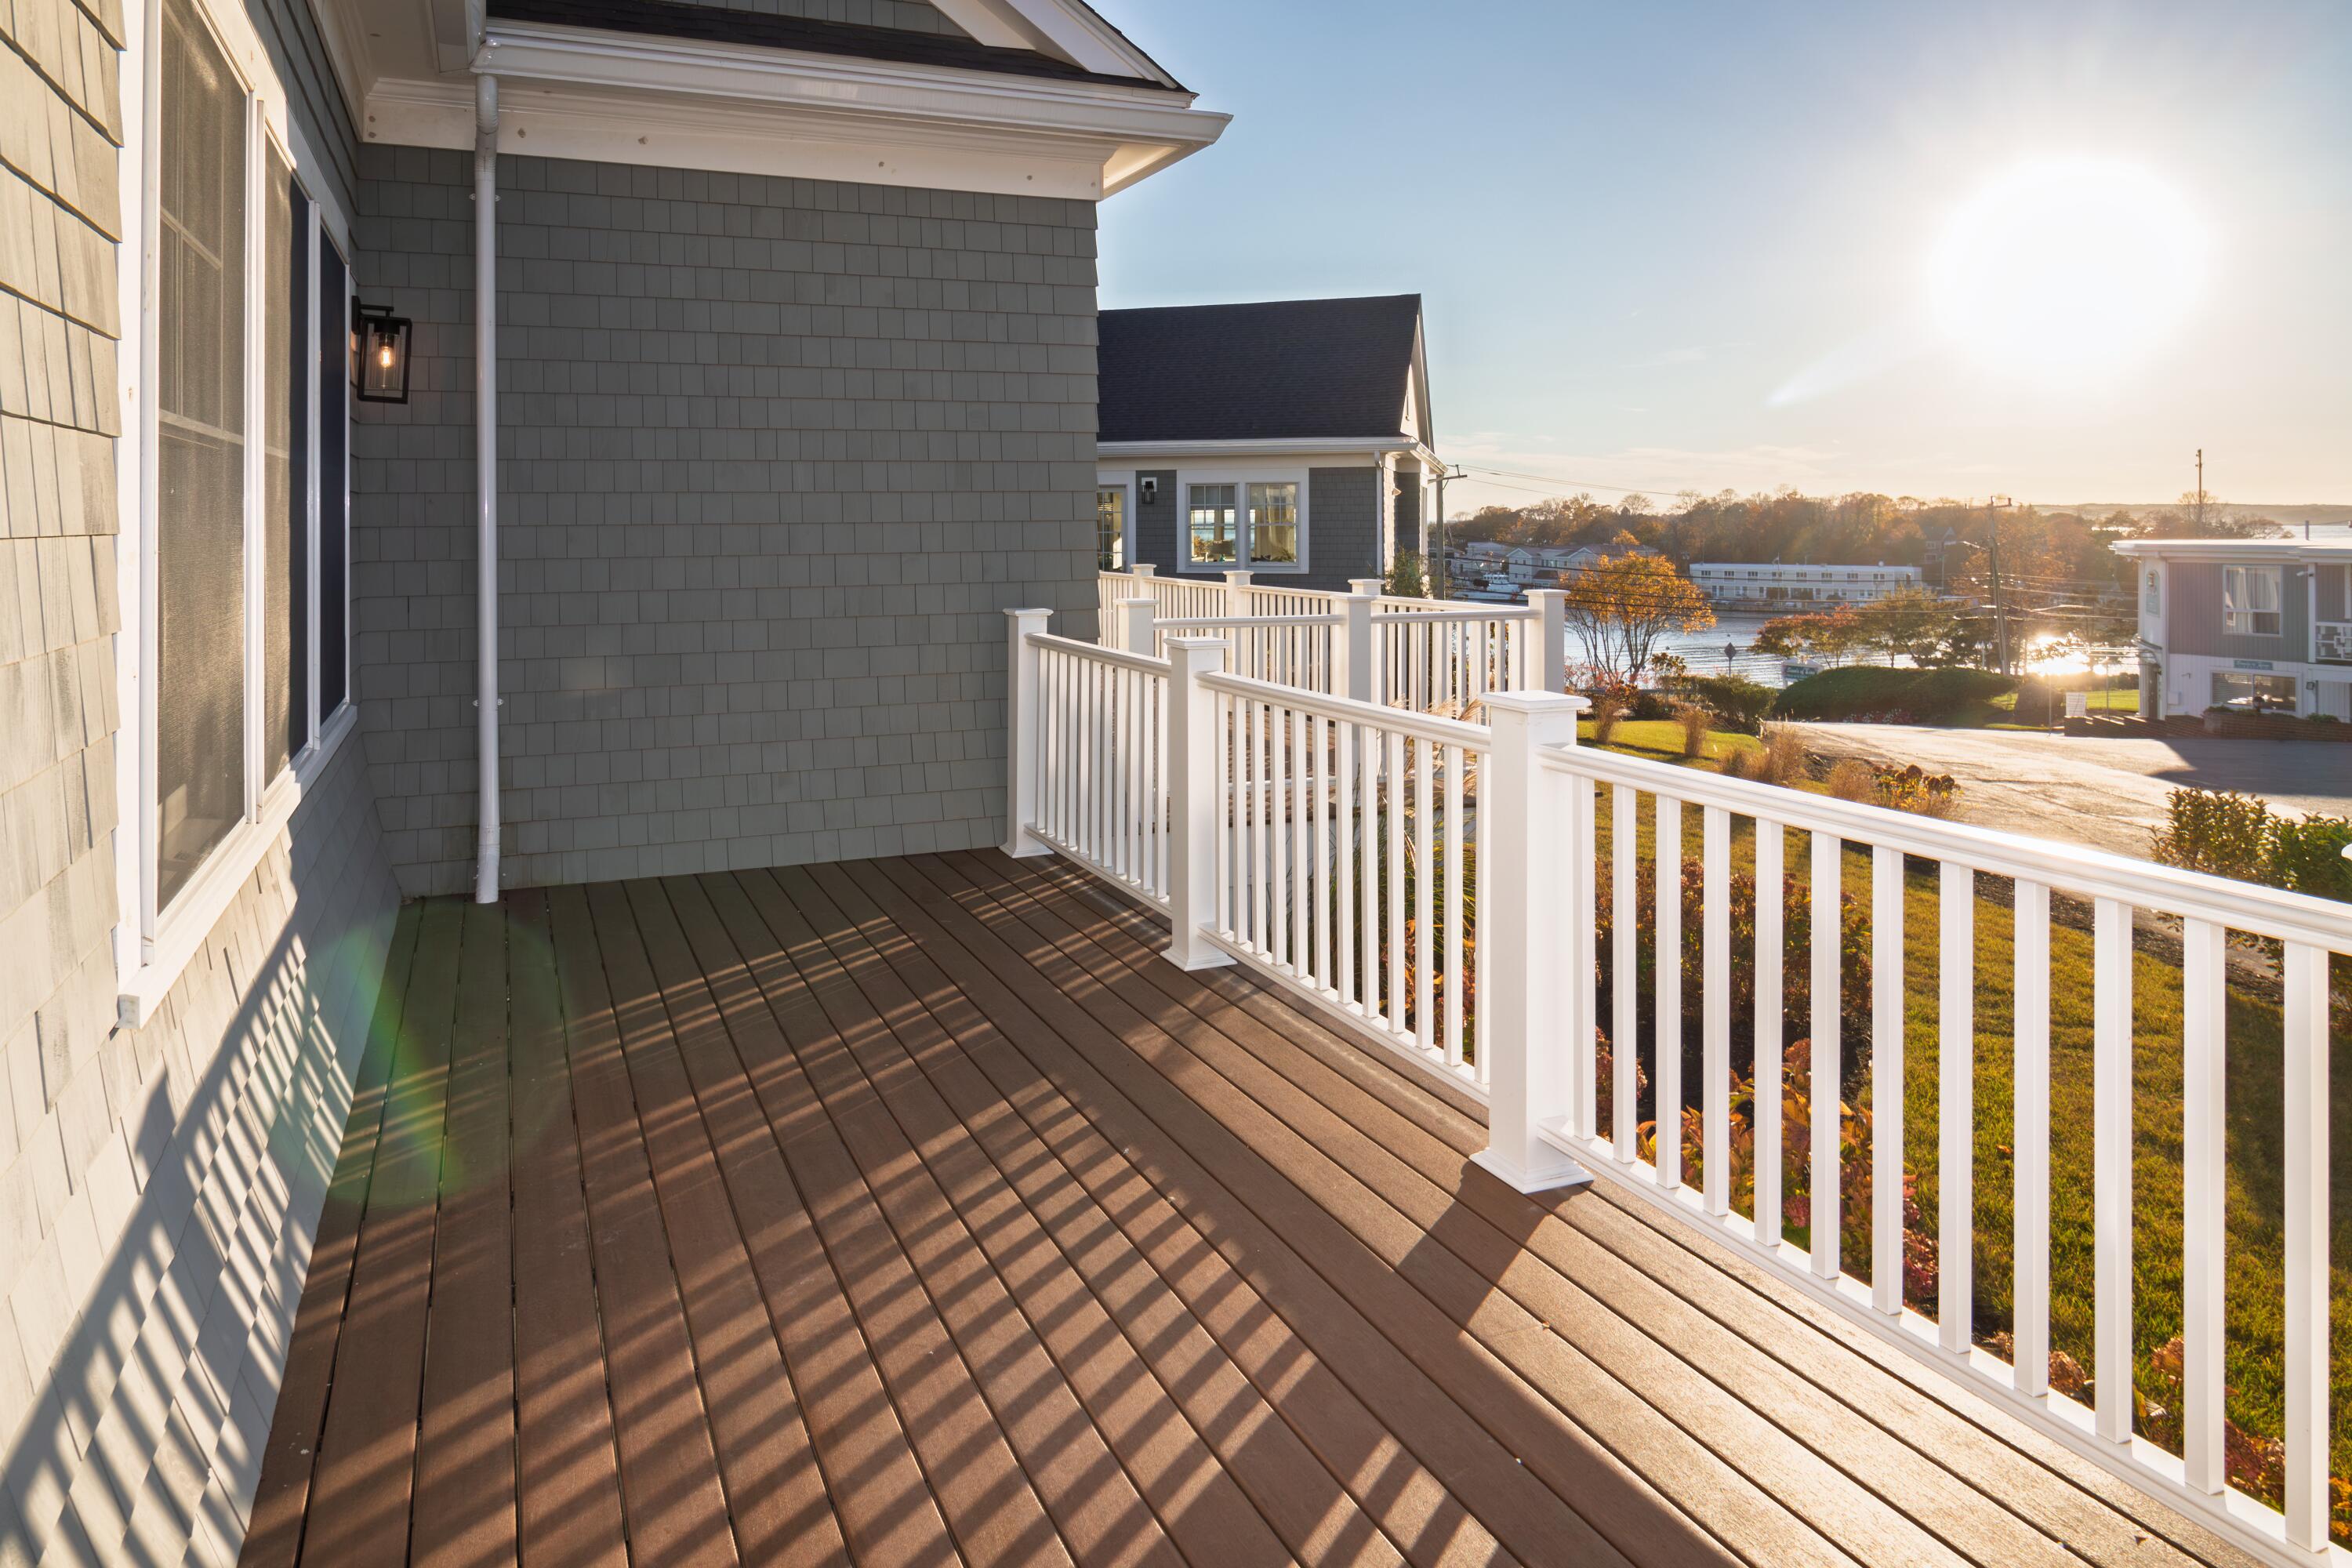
(776, 455)
(158, 1188)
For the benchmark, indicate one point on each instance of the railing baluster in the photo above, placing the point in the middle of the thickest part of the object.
(1584, 875)
(1260, 811)
(1346, 875)
(1228, 797)
(1392, 808)
(1886, 1079)
(1452, 758)
(2030, 1201)
(1956, 1122)
(1827, 1074)
(1624, 919)
(1368, 878)
(1666, 1042)
(1424, 883)
(2111, 1165)
(2204, 1091)
(1319, 880)
(1771, 1002)
(1714, 994)
(1296, 732)
(2309, 1502)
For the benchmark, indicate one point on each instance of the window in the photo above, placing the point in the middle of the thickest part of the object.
(2250, 601)
(199, 452)
(1259, 522)
(2253, 693)
(2152, 596)
(1210, 522)
(239, 513)
(1110, 528)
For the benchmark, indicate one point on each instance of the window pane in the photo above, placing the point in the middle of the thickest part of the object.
(300, 363)
(1211, 522)
(334, 438)
(1273, 524)
(279, 524)
(2254, 693)
(1110, 528)
(200, 450)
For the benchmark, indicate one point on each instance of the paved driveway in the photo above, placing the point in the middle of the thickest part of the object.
(2104, 793)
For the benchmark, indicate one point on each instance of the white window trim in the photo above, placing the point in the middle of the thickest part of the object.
(1187, 478)
(151, 946)
(2231, 614)
(1126, 482)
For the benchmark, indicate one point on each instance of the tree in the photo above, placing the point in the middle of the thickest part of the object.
(1826, 635)
(1405, 581)
(1909, 623)
(1620, 605)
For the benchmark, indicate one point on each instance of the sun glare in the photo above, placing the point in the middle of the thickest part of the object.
(2066, 269)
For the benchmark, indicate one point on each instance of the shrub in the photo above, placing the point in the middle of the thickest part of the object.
(1606, 716)
(1928, 696)
(1696, 722)
(1740, 704)
(2227, 834)
(1784, 759)
(1854, 780)
(1915, 790)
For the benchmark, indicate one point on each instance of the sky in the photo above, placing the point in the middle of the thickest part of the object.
(1667, 246)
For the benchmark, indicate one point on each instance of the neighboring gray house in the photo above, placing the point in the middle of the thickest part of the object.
(794, 355)
(1291, 438)
(2243, 622)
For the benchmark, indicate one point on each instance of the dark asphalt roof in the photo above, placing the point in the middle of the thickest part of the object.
(715, 25)
(1281, 369)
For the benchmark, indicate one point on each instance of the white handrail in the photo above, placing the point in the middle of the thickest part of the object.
(1347, 850)
(2074, 868)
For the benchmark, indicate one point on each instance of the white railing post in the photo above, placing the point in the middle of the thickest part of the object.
(1195, 798)
(1547, 641)
(1373, 587)
(1023, 716)
(1237, 586)
(1135, 618)
(1526, 924)
(1142, 569)
(1351, 651)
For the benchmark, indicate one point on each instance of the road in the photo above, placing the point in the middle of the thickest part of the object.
(2104, 793)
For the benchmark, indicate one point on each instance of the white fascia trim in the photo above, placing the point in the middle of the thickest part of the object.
(2246, 551)
(579, 93)
(1067, 29)
(1364, 450)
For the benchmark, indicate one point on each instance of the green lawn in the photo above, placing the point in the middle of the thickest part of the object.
(2255, 1287)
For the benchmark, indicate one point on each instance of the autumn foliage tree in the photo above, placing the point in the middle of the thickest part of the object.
(1623, 604)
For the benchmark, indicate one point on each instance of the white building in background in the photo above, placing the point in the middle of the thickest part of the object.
(1750, 583)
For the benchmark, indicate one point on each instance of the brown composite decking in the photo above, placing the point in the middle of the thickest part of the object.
(914, 1212)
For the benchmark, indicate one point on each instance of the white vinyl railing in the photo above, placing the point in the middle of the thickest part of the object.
(1349, 850)
(1092, 726)
(1414, 654)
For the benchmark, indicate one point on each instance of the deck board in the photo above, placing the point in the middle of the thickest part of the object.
(916, 1212)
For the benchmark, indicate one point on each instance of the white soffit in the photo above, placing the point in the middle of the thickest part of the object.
(1068, 30)
(573, 92)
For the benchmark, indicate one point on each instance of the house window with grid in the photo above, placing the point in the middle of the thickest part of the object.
(2250, 601)
(241, 504)
(1110, 528)
(1250, 523)
(2152, 600)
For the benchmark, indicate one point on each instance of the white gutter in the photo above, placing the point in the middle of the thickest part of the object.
(485, 476)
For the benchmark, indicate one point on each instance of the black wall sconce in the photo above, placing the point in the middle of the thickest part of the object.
(383, 343)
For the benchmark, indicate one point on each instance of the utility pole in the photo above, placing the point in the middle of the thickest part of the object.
(1436, 578)
(2200, 492)
(1993, 507)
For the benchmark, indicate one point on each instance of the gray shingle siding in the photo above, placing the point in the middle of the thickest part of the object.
(2194, 594)
(158, 1186)
(1342, 529)
(775, 455)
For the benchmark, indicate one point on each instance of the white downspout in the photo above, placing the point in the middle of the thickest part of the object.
(486, 474)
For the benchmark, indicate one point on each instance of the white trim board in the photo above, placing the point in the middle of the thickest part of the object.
(573, 92)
